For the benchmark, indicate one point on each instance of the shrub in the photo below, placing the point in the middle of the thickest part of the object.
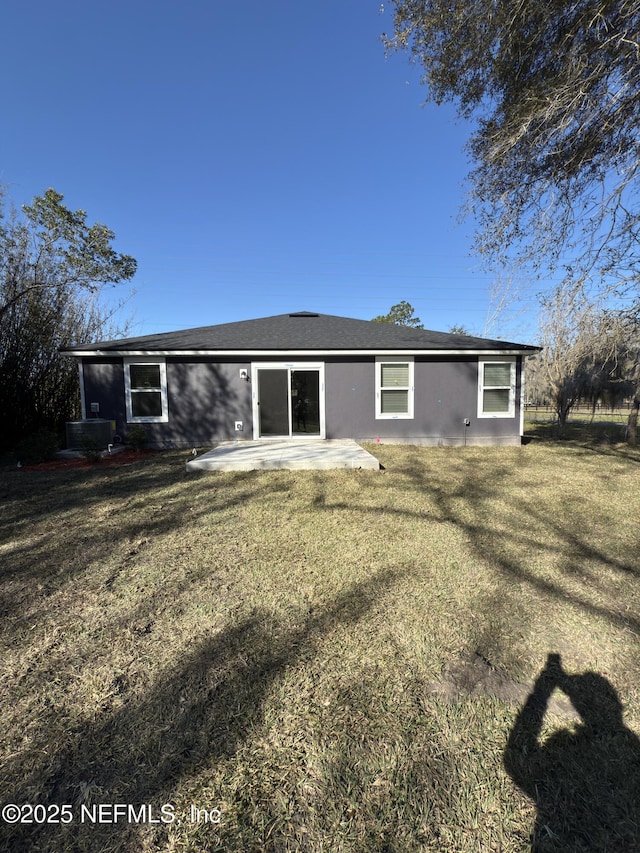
(91, 448)
(137, 437)
(40, 446)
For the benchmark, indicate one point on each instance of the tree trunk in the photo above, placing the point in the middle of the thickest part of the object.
(632, 423)
(563, 407)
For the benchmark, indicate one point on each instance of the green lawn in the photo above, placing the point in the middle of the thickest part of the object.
(336, 661)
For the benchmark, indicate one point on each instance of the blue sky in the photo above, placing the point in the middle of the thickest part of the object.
(255, 157)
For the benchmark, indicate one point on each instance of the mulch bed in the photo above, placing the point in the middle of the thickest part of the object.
(123, 457)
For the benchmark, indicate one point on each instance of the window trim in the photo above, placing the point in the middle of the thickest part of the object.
(128, 391)
(499, 359)
(394, 359)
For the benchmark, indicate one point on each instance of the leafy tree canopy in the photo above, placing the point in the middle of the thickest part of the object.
(52, 268)
(53, 247)
(555, 90)
(400, 314)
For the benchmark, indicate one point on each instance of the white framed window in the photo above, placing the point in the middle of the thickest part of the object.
(145, 385)
(394, 387)
(497, 387)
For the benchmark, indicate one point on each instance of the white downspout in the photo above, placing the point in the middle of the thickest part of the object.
(83, 403)
(523, 360)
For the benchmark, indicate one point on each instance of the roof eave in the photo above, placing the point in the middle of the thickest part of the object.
(288, 353)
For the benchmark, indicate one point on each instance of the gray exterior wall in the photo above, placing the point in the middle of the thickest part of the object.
(104, 385)
(205, 399)
(206, 396)
(446, 392)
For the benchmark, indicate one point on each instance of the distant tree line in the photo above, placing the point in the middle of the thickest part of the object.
(590, 354)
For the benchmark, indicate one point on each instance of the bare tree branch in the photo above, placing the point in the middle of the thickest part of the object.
(554, 89)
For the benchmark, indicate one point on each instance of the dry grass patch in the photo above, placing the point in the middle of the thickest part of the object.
(290, 648)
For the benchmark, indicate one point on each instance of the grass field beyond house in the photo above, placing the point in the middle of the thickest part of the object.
(324, 661)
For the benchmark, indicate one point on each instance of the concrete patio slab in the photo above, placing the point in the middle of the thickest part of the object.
(320, 455)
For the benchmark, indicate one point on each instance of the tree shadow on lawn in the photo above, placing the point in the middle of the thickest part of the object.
(509, 539)
(56, 528)
(28, 497)
(602, 438)
(203, 711)
(575, 581)
(585, 781)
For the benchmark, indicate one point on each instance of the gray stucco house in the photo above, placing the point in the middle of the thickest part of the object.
(307, 375)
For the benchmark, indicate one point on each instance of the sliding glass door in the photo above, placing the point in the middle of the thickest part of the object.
(273, 402)
(305, 402)
(288, 401)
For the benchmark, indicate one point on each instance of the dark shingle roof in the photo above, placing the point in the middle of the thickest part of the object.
(300, 331)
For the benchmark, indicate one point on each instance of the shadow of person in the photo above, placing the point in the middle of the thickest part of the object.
(585, 780)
